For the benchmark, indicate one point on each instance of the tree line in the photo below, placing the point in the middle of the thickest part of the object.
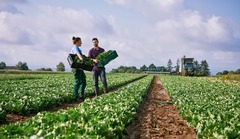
(202, 69)
(23, 66)
(226, 72)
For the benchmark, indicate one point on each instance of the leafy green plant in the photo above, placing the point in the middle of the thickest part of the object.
(41, 92)
(213, 108)
(101, 117)
(104, 54)
(105, 57)
(87, 60)
(3, 115)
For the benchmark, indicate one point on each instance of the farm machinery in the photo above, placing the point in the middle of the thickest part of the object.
(187, 67)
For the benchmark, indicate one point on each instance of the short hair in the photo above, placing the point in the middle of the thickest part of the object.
(94, 39)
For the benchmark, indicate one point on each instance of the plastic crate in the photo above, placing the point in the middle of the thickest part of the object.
(108, 58)
(74, 64)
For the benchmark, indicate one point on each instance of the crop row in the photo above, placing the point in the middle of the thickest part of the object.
(101, 117)
(41, 92)
(213, 108)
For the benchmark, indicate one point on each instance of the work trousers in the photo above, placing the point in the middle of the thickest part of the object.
(102, 74)
(79, 82)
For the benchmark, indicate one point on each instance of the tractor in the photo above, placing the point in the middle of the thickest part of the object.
(187, 67)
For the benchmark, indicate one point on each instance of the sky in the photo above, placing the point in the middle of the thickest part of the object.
(143, 32)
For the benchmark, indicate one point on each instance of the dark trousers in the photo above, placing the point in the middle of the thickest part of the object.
(102, 74)
(79, 82)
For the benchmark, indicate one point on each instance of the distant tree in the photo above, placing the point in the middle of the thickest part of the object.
(48, 69)
(169, 65)
(143, 68)
(132, 69)
(128, 70)
(162, 69)
(137, 71)
(204, 71)
(152, 67)
(177, 65)
(44, 69)
(237, 71)
(158, 68)
(2, 65)
(219, 73)
(197, 67)
(22, 66)
(122, 69)
(125, 69)
(231, 72)
(114, 71)
(225, 72)
(196, 64)
(60, 67)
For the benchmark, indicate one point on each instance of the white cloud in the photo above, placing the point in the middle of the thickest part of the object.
(11, 32)
(47, 34)
(117, 2)
(176, 32)
(153, 9)
(216, 30)
(225, 57)
(163, 30)
(193, 28)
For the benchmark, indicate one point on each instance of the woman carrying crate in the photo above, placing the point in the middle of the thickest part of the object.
(79, 75)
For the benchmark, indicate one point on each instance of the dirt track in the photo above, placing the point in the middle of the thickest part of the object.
(158, 118)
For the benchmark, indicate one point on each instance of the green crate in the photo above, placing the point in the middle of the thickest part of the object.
(74, 64)
(108, 58)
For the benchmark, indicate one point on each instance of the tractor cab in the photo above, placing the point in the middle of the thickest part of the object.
(187, 67)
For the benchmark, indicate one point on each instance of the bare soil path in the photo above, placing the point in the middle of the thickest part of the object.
(158, 118)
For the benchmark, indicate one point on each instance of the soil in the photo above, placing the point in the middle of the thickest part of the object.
(158, 118)
(13, 118)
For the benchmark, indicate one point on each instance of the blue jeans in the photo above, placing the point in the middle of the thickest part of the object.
(102, 74)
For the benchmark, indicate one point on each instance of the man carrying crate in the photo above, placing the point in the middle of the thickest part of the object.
(97, 70)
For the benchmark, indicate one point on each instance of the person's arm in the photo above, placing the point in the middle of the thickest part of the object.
(96, 60)
(80, 56)
(79, 53)
(90, 55)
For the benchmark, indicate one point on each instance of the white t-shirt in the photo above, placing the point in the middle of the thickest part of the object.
(75, 50)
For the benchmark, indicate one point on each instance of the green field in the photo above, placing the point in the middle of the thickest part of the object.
(208, 104)
(211, 106)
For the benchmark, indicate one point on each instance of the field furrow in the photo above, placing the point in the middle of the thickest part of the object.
(101, 117)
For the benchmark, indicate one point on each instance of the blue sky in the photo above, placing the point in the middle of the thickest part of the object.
(141, 31)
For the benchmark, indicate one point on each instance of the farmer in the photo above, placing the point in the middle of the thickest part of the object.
(97, 70)
(79, 75)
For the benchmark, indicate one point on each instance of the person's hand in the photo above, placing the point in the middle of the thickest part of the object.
(95, 60)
